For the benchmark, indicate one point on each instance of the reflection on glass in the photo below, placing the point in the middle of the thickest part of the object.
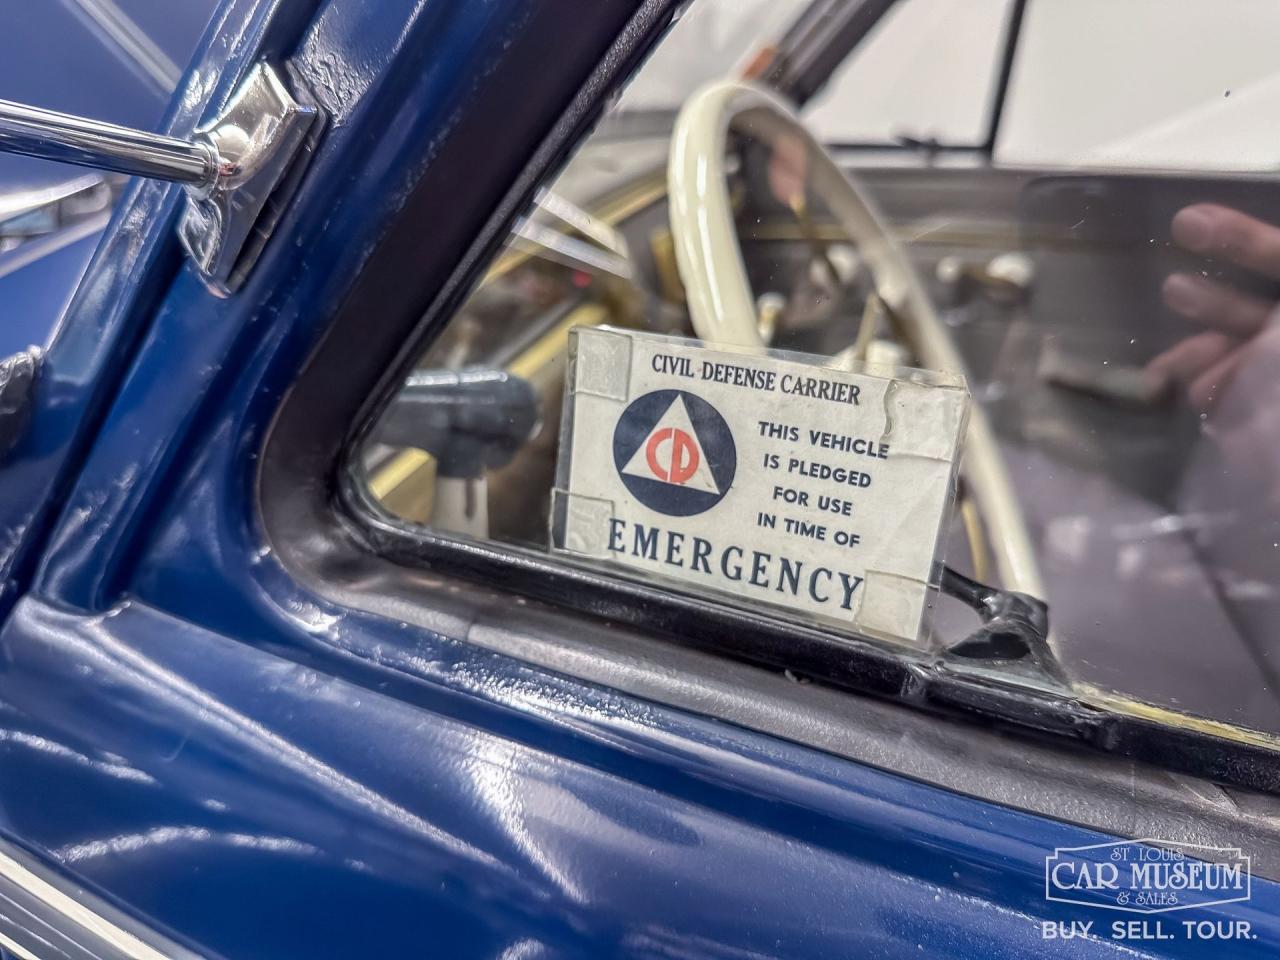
(1117, 325)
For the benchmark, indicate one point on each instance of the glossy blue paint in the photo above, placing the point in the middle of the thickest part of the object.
(83, 71)
(175, 28)
(80, 73)
(36, 293)
(54, 55)
(263, 773)
(349, 55)
(99, 332)
(262, 807)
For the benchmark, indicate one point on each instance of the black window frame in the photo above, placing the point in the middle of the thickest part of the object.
(323, 532)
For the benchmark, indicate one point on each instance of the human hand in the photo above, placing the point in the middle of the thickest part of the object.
(1204, 363)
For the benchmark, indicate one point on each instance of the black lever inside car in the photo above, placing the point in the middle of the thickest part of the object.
(470, 420)
(1015, 626)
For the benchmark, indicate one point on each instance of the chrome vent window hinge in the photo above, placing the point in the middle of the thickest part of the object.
(238, 171)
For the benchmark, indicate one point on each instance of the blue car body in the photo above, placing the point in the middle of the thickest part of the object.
(240, 763)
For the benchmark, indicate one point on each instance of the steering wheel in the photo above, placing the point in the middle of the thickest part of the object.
(723, 310)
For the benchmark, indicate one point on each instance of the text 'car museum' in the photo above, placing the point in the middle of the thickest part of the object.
(711, 480)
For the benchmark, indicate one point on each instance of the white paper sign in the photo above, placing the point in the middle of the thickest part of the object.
(776, 480)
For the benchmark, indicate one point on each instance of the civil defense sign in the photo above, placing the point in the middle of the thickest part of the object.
(772, 477)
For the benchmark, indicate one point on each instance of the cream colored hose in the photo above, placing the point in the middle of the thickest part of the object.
(723, 309)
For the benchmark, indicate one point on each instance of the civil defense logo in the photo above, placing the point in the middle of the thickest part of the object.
(674, 452)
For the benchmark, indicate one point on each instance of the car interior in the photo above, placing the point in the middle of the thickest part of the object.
(1119, 466)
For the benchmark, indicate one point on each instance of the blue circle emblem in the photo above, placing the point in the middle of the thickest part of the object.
(674, 452)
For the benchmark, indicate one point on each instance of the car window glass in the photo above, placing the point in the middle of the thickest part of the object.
(1115, 327)
(1145, 83)
(710, 41)
(927, 72)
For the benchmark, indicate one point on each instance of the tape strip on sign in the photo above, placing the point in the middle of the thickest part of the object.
(772, 477)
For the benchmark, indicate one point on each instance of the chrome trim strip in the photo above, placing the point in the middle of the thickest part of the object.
(40, 247)
(21, 202)
(132, 41)
(45, 916)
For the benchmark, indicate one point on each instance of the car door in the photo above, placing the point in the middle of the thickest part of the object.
(241, 719)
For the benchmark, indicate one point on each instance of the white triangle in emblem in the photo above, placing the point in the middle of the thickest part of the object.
(672, 453)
